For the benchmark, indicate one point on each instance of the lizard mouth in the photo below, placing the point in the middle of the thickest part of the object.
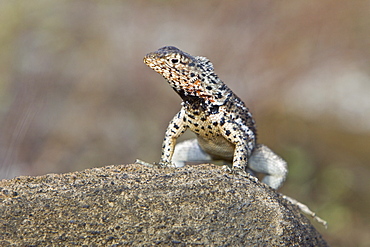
(155, 63)
(149, 60)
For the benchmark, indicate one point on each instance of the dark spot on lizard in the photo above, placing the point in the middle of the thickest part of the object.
(214, 109)
(222, 88)
(191, 116)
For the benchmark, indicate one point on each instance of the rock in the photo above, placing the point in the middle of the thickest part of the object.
(136, 205)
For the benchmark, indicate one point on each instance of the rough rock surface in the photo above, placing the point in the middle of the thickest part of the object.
(140, 206)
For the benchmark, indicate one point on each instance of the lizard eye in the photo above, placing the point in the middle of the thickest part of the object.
(174, 60)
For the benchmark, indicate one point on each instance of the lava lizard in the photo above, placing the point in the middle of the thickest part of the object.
(224, 127)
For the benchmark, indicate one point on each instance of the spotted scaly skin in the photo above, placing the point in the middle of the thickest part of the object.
(224, 126)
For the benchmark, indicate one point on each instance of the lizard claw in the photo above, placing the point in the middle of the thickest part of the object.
(140, 162)
(166, 164)
(240, 172)
(226, 168)
(152, 165)
(235, 171)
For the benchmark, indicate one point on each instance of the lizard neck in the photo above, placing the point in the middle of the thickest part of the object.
(205, 89)
(197, 104)
(192, 102)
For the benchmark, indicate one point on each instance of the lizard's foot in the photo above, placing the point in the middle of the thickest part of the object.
(140, 162)
(236, 171)
(157, 165)
(226, 168)
(166, 164)
(240, 172)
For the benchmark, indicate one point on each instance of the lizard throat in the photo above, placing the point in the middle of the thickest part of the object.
(198, 103)
(195, 102)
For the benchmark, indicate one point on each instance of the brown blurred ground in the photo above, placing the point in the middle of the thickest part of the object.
(74, 92)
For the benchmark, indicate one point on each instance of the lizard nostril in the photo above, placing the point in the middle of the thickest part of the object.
(174, 60)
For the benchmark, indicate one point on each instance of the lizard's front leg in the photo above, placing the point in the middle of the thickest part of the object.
(244, 140)
(174, 130)
(240, 159)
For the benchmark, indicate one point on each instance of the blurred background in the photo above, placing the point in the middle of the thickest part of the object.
(74, 92)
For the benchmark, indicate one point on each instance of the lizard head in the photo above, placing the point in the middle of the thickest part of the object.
(188, 75)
